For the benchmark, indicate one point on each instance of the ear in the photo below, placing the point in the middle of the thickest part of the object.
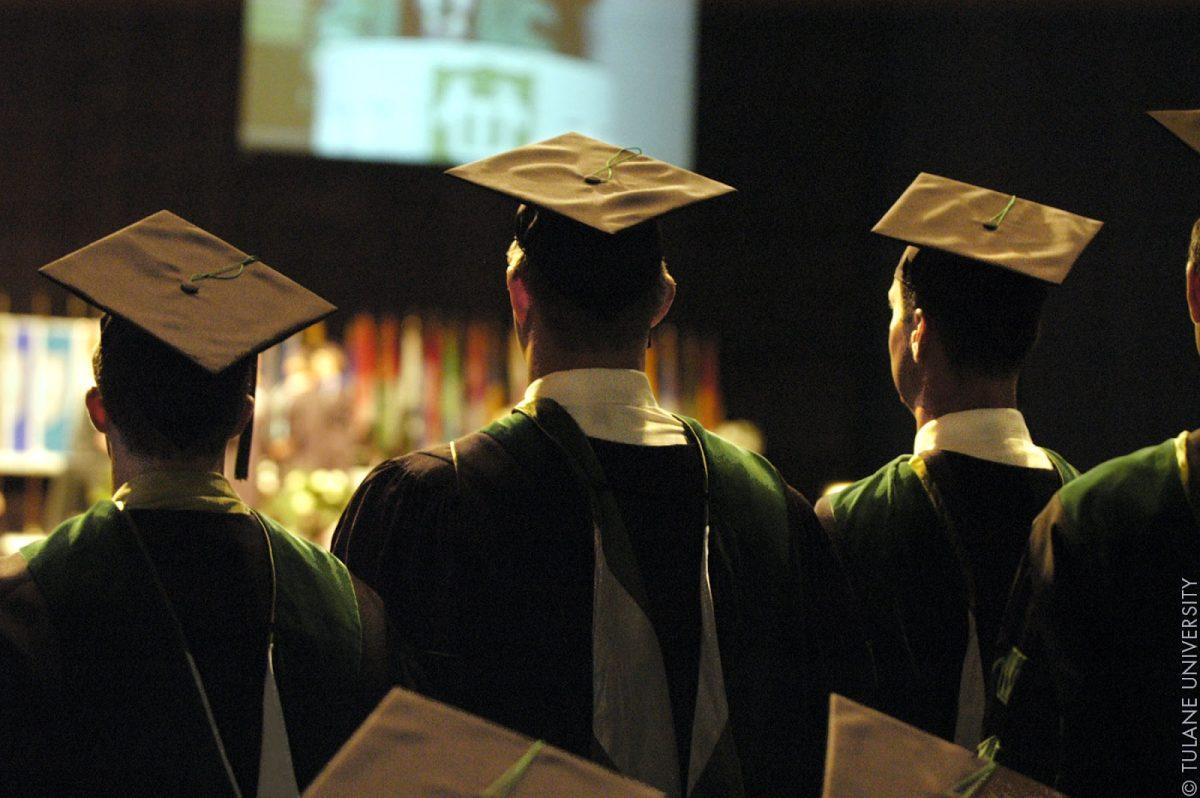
(245, 415)
(1193, 291)
(668, 296)
(96, 411)
(518, 296)
(917, 335)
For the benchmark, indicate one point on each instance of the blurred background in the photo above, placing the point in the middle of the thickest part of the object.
(313, 133)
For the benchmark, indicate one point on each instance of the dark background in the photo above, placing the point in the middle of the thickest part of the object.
(820, 113)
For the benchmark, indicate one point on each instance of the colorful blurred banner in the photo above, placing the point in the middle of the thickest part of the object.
(45, 369)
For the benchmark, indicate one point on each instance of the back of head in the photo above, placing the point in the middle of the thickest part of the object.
(986, 318)
(596, 290)
(164, 405)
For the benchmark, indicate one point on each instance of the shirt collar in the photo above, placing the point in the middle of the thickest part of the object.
(594, 386)
(998, 434)
(180, 490)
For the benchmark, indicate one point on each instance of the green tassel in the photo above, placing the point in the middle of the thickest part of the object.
(619, 157)
(1010, 671)
(974, 782)
(504, 785)
(997, 220)
(988, 749)
(228, 273)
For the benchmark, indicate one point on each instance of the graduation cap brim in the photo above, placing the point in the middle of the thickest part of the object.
(414, 746)
(870, 753)
(982, 225)
(206, 299)
(601, 185)
(1184, 124)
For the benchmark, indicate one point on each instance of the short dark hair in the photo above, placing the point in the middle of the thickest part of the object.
(163, 404)
(1194, 246)
(987, 318)
(596, 289)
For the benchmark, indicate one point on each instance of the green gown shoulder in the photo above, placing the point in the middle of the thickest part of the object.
(1124, 493)
(882, 503)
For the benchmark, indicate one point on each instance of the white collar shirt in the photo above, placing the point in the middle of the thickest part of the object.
(611, 405)
(998, 434)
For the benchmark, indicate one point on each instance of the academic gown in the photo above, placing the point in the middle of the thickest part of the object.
(484, 557)
(1104, 620)
(931, 540)
(93, 703)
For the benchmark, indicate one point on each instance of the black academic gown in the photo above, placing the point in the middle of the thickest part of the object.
(924, 540)
(215, 570)
(487, 572)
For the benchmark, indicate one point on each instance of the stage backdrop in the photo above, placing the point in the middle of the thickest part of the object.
(820, 113)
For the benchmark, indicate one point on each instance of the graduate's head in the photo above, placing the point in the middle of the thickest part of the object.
(586, 274)
(968, 293)
(583, 289)
(957, 316)
(186, 316)
(1193, 280)
(161, 405)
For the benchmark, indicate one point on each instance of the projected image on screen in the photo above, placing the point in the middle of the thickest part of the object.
(449, 81)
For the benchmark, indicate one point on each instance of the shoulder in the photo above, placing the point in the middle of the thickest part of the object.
(895, 489)
(291, 546)
(76, 534)
(27, 640)
(395, 492)
(745, 485)
(431, 468)
(740, 472)
(1139, 484)
(1120, 494)
(22, 608)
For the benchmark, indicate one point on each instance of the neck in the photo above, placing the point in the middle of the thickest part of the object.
(127, 465)
(544, 357)
(941, 397)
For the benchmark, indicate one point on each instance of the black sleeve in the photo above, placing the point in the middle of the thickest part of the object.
(833, 608)
(401, 534)
(365, 527)
(385, 663)
(30, 739)
(1060, 725)
(835, 657)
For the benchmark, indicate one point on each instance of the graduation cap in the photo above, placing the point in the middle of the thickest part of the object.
(206, 299)
(1184, 124)
(986, 226)
(419, 748)
(872, 754)
(589, 212)
(603, 186)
